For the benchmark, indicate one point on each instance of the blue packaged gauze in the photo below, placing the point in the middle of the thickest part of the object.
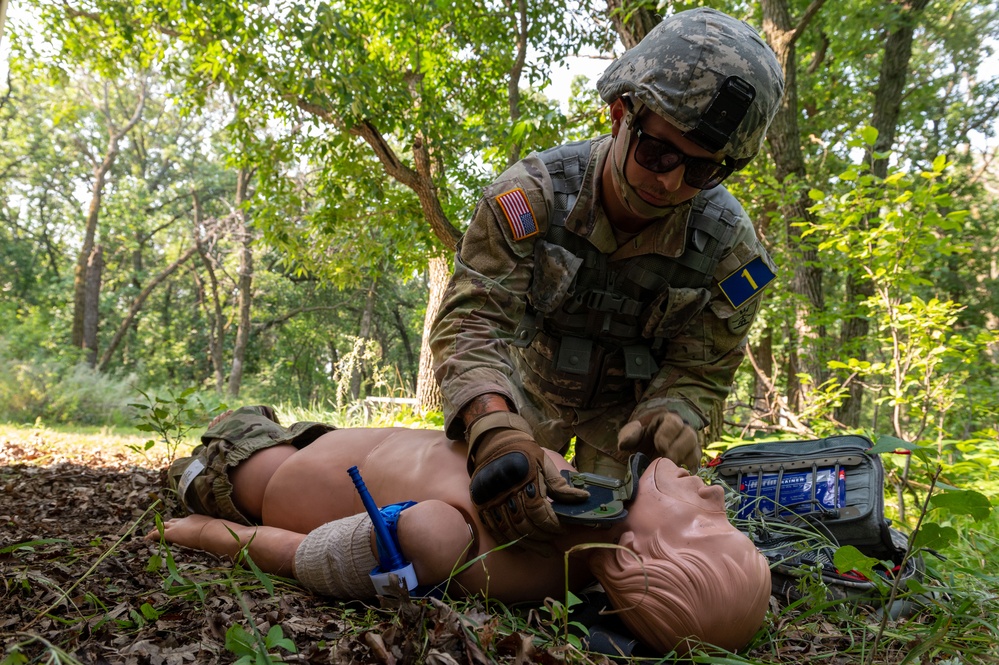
(794, 492)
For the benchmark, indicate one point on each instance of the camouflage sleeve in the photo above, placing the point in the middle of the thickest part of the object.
(700, 363)
(486, 296)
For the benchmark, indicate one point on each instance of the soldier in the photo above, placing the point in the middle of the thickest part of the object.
(604, 289)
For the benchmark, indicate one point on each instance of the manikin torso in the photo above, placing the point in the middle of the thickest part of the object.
(300, 490)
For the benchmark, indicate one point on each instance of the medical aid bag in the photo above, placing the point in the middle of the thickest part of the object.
(831, 485)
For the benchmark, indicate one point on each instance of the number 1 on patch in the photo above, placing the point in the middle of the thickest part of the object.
(746, 282)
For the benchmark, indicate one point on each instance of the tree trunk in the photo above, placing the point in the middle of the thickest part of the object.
(92, 303)
(887, 106)
(245, 238)
(216, 329)
(630, 22)
(513, 85)
(764, 413)
(428, 393)
(785, 144)
(137, 304)
(101, 170)
(363, 334)
(400, 326)
(89, 236)
(3, 18)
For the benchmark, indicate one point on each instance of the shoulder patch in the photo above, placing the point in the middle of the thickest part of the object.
(740, 320)
(518, 213)
(747, 280)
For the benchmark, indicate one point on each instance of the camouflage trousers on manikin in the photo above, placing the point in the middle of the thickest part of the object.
(201, 480)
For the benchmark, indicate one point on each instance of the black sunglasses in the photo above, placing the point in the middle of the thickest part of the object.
(660, 156)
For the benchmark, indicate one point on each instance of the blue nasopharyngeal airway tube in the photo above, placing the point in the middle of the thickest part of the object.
(395, 560)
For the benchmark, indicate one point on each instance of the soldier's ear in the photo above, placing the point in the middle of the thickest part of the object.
(618, 109)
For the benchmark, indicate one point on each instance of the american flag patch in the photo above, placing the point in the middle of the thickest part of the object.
(518, 213)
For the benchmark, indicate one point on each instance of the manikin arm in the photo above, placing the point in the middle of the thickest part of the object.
(272, 549)
(432, 534)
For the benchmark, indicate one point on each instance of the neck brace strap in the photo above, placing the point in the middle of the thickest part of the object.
(608, 496)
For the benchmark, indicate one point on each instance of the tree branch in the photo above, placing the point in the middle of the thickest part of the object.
(813, 8)
(137, 304)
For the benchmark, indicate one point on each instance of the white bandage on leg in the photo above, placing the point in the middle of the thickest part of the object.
(335, 559)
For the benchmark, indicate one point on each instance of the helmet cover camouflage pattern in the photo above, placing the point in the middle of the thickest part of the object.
(680, 66)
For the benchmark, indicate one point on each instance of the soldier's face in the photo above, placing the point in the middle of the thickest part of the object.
(662, 189)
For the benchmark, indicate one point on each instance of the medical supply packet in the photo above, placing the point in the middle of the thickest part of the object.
(798, 492)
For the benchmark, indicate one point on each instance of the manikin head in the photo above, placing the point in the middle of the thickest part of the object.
(710, 77)
(696, 577)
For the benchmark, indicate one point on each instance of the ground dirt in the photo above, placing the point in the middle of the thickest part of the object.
(79, 583)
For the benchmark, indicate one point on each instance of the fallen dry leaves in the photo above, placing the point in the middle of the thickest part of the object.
(76, 576)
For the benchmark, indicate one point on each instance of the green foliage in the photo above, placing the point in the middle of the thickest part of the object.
(889, 233)
(252, 650)
(57, 391)
(172, 418)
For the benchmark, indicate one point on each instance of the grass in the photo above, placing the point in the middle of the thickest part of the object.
(958, 623)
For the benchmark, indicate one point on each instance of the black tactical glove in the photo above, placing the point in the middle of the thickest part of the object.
(512, 478)
(663, 434)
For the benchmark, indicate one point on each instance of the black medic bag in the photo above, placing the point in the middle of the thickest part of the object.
(832, 485)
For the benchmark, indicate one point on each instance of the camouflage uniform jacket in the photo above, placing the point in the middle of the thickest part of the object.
(506, 266)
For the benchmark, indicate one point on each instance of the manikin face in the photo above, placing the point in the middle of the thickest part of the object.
(698, 577)
(684, 511)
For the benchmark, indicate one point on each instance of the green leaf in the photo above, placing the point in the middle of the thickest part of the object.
(933, 536)
(940, 163)
(155, 561)
(29, 545)
(261, 576)
(869, 135)
(15, 657)
(963, 502)
(849, 558)
(275, 638)
(150, 612)
(889, 444)
(238, 641)
(816, 194)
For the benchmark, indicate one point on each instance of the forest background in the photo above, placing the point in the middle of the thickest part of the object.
(245, 202)
(261, 201)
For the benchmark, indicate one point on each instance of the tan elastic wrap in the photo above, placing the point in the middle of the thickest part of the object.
(336, 559)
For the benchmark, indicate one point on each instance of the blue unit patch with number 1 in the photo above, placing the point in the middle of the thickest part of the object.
(746, 282)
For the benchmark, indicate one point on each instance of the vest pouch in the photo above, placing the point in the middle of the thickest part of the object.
(672, 311)
(574, 355)
(555, 270)
(638, 362)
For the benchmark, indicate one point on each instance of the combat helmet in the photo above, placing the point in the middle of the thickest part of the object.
(709, 74)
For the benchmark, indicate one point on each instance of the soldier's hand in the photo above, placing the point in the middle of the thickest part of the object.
(511, 480)
(666, 434)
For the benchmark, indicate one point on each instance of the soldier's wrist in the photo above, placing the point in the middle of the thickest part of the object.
(488, 422)
(647, 410)
(481, 405)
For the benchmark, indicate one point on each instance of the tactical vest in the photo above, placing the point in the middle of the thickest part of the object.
(593, 341)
